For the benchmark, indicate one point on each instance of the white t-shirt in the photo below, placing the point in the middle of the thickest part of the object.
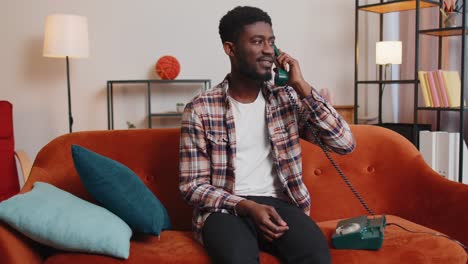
(255, 174)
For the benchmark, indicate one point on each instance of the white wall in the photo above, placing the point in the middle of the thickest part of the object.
(126, 39)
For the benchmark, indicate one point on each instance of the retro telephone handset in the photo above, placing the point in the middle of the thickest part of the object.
(356, 233)
(362, 232)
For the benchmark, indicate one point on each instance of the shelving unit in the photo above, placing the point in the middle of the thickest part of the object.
(206, 84)
(396, 6)
(443, 32)
(403, 5)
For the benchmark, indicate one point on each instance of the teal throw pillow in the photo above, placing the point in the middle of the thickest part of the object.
(121, 191)
(63, 221)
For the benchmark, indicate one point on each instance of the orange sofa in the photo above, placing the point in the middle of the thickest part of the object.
(387, 170)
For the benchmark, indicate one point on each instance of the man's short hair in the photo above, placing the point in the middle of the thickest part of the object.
(232, 24)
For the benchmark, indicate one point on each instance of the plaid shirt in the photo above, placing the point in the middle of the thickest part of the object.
(208, 147)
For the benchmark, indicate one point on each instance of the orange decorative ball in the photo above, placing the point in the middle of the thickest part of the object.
(167, 67)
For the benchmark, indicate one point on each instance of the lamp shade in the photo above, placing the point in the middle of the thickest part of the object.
(66, 35)
(388, 52)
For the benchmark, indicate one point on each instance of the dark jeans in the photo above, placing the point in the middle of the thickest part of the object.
(233, 239)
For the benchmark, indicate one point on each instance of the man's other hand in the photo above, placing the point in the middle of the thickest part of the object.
(265, 217)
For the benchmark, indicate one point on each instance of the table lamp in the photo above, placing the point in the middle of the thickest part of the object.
(388, 53)
(66, 36)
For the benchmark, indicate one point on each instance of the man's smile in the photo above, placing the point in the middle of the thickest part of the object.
(266, 64)
(266, 61)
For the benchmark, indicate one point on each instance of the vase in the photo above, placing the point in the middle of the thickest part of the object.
(453, 19)
(180, 107)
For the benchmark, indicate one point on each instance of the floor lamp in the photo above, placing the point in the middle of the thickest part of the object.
(66, 36)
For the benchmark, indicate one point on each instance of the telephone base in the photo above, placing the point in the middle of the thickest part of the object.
(362, 232)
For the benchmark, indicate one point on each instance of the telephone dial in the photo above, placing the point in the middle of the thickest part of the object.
(362, 232)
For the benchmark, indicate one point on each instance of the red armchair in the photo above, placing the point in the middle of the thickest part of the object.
(9, 181)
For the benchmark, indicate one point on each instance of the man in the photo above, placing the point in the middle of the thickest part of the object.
(240, 158)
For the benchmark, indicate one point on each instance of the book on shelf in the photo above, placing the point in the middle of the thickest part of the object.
(441, 85)
(453, 86)
(440, 88)
(424, 89)
(428, 147)
(436, 87)
(433, 89)
(465, 164)
(454, 139)
(444, 166)
(429, 92)
(441, 152)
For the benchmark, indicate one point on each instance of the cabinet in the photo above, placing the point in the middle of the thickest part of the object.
(346, 112)
(150, 84)
(382, 8)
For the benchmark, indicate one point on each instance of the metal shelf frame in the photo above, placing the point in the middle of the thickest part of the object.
(110, 96)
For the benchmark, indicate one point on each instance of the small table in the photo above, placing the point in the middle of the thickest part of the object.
(110, 95)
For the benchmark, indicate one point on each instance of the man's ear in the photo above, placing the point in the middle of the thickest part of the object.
(229, 48)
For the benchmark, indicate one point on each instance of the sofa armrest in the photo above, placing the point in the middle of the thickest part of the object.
(16, 248)
(436, 202)
(391, 175)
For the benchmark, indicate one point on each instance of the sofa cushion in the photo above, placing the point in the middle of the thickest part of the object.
(172, 247)
(399, 247)
(121, 191)
(63, 221)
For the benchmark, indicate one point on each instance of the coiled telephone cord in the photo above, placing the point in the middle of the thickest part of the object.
(327, 154)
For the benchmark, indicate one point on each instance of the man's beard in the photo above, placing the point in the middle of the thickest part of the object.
(250, 72)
